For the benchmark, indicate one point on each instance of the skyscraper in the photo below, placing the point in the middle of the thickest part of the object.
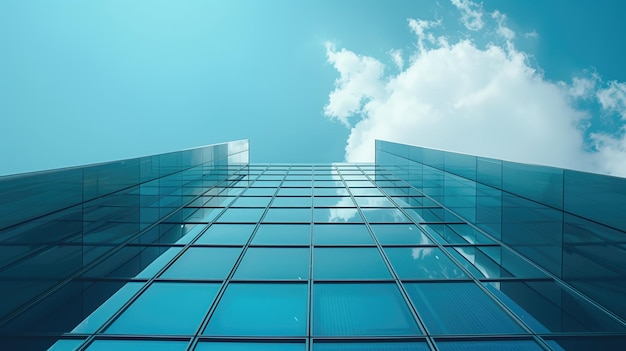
(423, 250)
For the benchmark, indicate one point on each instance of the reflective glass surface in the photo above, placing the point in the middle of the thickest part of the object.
(337, 234)
(274, 263)
(260, 309)
(355, 263)
(422, 263)
(283, 234)
(360, 309)
(203, 263)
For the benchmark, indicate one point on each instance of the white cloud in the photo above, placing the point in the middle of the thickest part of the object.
(396, 56)
(613, 98)
(487, 101)
(360, 79)
(471, 14)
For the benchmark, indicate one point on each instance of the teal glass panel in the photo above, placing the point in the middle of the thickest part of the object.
(66, 345)
(349, 263)
(226, 234)
(200, 215)
(341, 234)
(288, 215)
(429, 215)
(330, 191)
(274, 263)
(203, 263)
(250, 346)
(333, 201)
(360, 309)
(489, 345)
(365, 192)
(97, 318)
(266, 184)
(159, 263)
(540, 183)
(373, 201)
(459, 308)
(400, 234)
(384, 215)
(482, 261)
(133, 345)
(283, 234)
(167, 308)
(252, 201)
(241, 215)
(294, 192)
(254, 309)
(371, 346)
(546, 307)
(422, 263)
(292, 201)
(260, 191)
(348, 215)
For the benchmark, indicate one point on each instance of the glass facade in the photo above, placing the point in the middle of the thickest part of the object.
(424, 250)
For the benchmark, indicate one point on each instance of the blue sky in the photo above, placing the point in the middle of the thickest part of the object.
(85, 82)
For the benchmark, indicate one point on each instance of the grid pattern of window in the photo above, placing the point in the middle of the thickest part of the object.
(330, 257)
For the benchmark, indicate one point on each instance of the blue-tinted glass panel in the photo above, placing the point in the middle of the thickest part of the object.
(365, 192)
(66, 345)
(361, 309)
(292, 201)
(338, 234)
(167, 308)
(348, 215)
(384, 215)
(252, 201)
(203, 263)
(107, 309)
(250, 346)
(459, 308)
(133, 345)
(294, 192)
(283, 234)
(546, 307)
(428, 215)
(261, 310)
(400, 234)
(159, 263)
(349, 263)
(488, 345)
(274, 263)
(333, 201)
(226, 234)
(288, 215)
(241, 215)
(373, 201)
(422, 263)
(371, 346)
(260, 191)
(330, 191)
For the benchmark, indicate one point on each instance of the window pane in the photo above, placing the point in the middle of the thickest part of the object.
(349, 263)
(241, 215)
(132, 345)
(107, 309)
(226, 234)
(333, 201)
(186, 305)
(330, 191)
(293, 201)
(274, 263)
(372, 201)
(488, 345)
(459, 308)
(295, 191)
(384, 215)
(261, 310)
(371, 346)
(283, 234)
(288, 215)
(336, 234)
(422, 263)
(252, 201)
(203, 263)
(398, 234)
(361, 309)
(249, 346)
(336, 215)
